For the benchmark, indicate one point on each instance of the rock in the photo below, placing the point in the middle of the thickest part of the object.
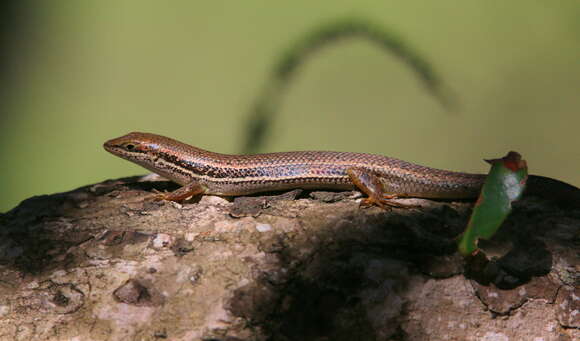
(104, 263)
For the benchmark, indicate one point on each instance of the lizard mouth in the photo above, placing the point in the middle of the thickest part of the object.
(114, 147)
(110, 146)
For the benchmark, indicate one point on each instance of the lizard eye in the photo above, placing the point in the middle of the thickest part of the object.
(129, 146)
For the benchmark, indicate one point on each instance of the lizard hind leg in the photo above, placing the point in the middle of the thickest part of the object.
(371, 185)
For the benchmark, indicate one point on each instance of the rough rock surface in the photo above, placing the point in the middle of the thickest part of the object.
(104, 263)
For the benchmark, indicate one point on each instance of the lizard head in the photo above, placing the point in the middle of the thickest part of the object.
(159, 154)
(134, 146)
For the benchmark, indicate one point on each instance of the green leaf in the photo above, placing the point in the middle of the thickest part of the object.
(504, 184)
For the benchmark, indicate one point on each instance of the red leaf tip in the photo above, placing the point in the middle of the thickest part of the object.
(513, 161)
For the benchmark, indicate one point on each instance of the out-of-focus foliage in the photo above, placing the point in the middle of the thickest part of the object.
(76, 73)
(267, 104)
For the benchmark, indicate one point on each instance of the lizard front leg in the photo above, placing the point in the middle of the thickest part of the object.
(189, 190)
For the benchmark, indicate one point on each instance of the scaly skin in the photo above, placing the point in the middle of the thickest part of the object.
(204, 172)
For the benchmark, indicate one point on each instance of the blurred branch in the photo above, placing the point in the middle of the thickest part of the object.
(269, 100)
(15, 22)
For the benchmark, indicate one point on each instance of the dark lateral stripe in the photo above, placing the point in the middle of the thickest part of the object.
(272, 171)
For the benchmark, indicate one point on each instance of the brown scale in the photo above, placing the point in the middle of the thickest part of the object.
(380, 177)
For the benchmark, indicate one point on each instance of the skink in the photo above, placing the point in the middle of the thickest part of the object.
(381, 178)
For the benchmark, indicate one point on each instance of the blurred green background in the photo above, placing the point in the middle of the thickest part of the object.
(80, 72)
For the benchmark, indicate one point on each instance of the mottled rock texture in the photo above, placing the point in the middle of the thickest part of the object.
(104, 263)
